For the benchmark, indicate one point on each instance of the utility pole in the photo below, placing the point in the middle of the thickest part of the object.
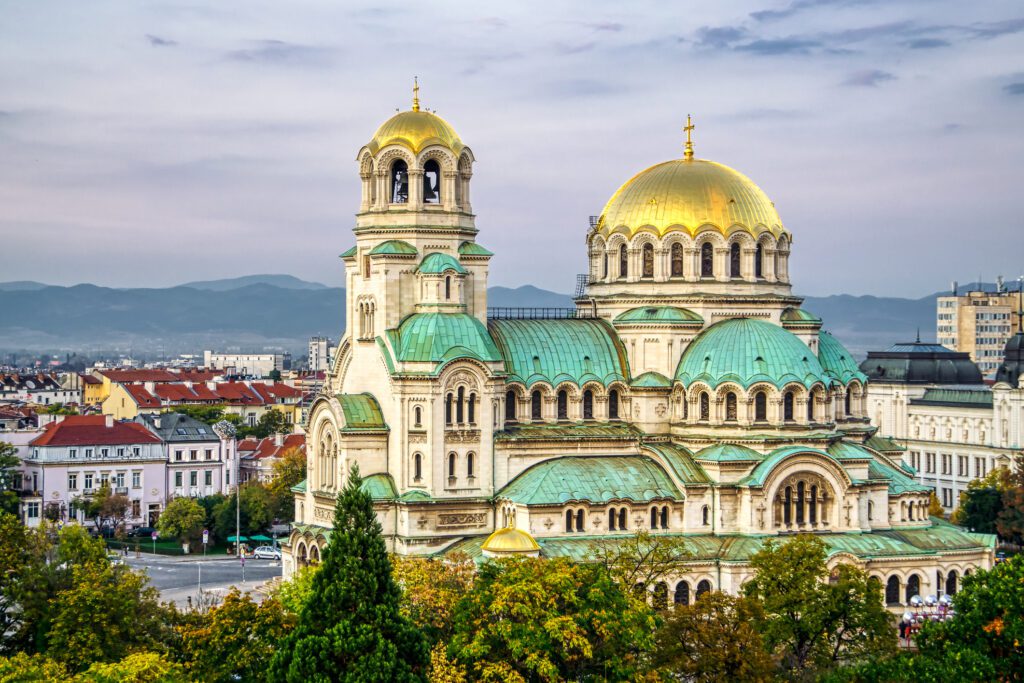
(226, 431)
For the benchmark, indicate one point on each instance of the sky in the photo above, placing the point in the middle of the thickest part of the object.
(146, 144)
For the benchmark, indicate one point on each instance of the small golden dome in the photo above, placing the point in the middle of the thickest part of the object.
(686, 195)
(416, 130)
(510, 541)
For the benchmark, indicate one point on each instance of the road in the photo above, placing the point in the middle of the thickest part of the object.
(178, 579)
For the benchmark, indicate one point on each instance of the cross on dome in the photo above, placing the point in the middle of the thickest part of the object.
(415, 93)
(688, 154)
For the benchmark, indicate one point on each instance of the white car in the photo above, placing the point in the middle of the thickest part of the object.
(265, 552)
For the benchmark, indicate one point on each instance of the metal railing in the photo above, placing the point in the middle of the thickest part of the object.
(527, 313)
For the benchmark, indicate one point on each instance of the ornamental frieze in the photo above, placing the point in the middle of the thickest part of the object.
(323, 513)
(461, 519)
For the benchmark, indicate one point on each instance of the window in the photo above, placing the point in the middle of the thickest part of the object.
(88, 452)
(871, 510)
(88, 481)
(471, 409)
(787, 406)
(72, 452)
(654, 518)
(569, 518)
(448, 288)
(947, 463)
(119, 480)
(417, 416)
(810, 407)
(623, 521)
(759, 262)
(677, 260)
(947, 498)
(664, 517)
(913, 586)
(760, 407)
(705, 406)
(707, 260)
(702, 588)
(471, 465)
(623, 262)
(32, 510)
(458, 405)
(72, 482)
(612, 518)
(604, 264)
(892, 591)
(705, 516)
(510, 405)
(613, 404)
(120, 452)
(193, 455)
(136, 509)
(177, 479)
(682, 593)
(563, 405)
(104, 452)
(979, 467)
(193, 478)
(178, 456)
(451, 465)
(588, 405)
(209, 453)
(535, 410)
(648, 259)
(417, 467)
(734, 260)
(136, 480)
(448, 409)
(730, 407)
(962, 465)
(399, 182)
(431, 182)
(580, 520)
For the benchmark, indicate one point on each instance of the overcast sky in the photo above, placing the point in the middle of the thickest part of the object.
(151, 143)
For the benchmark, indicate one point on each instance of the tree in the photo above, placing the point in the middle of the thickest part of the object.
(935, 508)
(1010, 521)
(640, 561)
(256, 512)
(59, 409)
(444, 670)
(24, 668)
(351, 628)
(9, 464)
(714, 639)
(106, 508)
(530, 619)
(431, 588)
(294, 592)
(234, 641)
(203, 413)
(209, 504)
(142, 667)
(288, 470)
(810, 622)
(982, 502)
(271, 422)
(183, 518)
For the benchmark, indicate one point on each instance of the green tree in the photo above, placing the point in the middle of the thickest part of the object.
(714, 639)
(431, 588)
(183, 518)
(235, 640)
(24, 668)
(142, 667)
(351, 628)
(288, 470)
(256, 511)
(532, 619)
(294, 592)
(209, 504)
(203, 413)
(271, 422)
(9, 464)
(1010, 521)
(812, 623)
(982, 502)
(59, 409)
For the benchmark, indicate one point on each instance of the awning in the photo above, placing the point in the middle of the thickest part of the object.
(260, 537)
(243, 539)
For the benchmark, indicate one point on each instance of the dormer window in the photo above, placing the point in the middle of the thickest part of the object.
(399, 182)
(431, 182)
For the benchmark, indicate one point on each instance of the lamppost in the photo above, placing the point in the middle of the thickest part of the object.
(226, 431)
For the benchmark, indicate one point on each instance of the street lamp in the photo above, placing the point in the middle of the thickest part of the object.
(226, 431)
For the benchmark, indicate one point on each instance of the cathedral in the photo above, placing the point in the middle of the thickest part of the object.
(688, 393)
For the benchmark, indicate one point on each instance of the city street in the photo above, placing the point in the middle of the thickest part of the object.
(178, 579)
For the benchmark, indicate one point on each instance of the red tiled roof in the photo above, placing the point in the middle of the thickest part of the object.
(161, 375)
(268, 448)
(142, 396)
(232, 393)
(90, 379)
(89, 430)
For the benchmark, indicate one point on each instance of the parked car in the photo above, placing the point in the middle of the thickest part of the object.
(142, 532)
(265, 552)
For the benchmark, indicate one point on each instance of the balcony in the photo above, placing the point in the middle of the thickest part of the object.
(121, 490)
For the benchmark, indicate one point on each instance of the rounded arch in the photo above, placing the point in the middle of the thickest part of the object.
(682, 593)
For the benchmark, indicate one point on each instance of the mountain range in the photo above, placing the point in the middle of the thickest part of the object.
(259, 312)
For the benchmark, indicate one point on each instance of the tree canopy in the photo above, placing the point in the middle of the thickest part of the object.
(183, 518)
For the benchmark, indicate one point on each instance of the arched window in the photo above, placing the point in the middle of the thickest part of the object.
(471, 409)
(417, 467)
(588, 405)
(613, 404)
(623, 262)
(459, 414)
(730, 407)
(682, 593)
(846, 406)
(760, 406)
(535, 405)
(787, 507)
(787, 406)
(471, 465)
(448, 409)
(759, 262)
(447, 287)
(563, 405)
(604, 265)
(451, 465)
(892, 590)
(810, 407)
(707, 260)
(702, 588)
(664, 517)
(812, 509)
(800, 501)
(510, 405)
(654, 518)
(734, 260)
(568, 521)
(871, 510)
(580, 520)
(913, 586)
(623, 522)
(431, 182)
(705, 406)
(648, 259)
(417, 416)
(399, 182)
(705, 514)
(612, 517)
(676, 257)
(951, 582)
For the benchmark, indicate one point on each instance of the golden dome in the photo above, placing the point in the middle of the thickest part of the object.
(686, 195)
(510, 541)
(415, 130)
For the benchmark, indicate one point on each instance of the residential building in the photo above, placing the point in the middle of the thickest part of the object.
(978, 323)
(92, 389)
(257, 456)
(321, 352)
(40, 389)
(196, 456)
(248, 364)
(954, 426)
(75, 455)
(688, 393)
(248, 400)
(113, 376)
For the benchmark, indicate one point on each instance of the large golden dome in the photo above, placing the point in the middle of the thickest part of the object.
(686, 195)
(415, 130)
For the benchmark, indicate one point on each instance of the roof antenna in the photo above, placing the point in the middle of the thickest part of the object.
(918, 335)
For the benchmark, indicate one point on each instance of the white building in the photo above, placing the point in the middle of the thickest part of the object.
(196, 456)
(321, 351)
(40, 389)
(248, 364)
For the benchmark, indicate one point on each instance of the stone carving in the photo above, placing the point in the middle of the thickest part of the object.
(324, 514)
(454, 519)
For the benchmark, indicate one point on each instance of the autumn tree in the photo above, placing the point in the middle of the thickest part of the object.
(935, 508)
(640, 561)
(235, 640)
(183, 518)
(1010, 520)
(431, 588)
(811, 622)
(9, 464)
(294, 592)
(714, 639)
(545, 620)
(351, 627)
(106, 508)
(288, 470)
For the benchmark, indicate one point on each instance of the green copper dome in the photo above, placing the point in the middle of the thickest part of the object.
(798, 317)
(440, 337)
(393, 248)
(659, 315)
(836, 360)
(746, 351)
(436, 263)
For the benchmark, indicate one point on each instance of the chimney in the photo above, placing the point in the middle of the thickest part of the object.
(278, 440)
(109, 421)
(150, 386)
(955, 283)
(156, 421)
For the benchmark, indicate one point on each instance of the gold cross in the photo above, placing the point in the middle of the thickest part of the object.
(689, 138)
(415, 93)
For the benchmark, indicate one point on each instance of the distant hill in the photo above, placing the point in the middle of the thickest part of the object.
(280, 311)
(282, 281)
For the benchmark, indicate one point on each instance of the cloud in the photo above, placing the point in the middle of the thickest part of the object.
(720, 36)
(801, 5)
(952, 127)
(610, 26)
(280, 52)
(997, 28)
(563, 49)
(1014, 89)
(157, 41)
(868, 78)
(780, 46)
(927, 43)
